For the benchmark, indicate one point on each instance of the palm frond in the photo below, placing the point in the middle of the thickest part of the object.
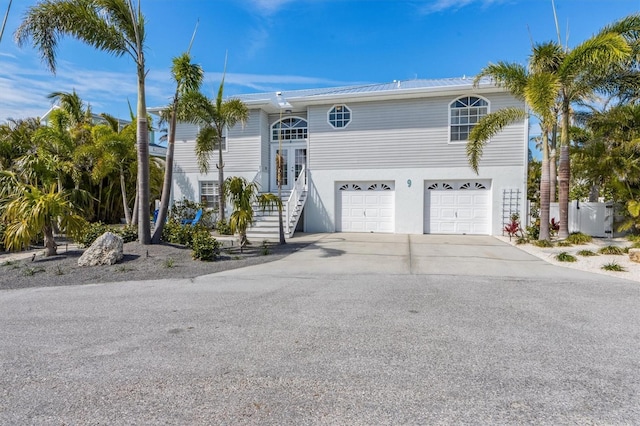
(487, 127)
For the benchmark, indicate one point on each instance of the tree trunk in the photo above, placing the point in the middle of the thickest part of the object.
(51, 248)
(564, 171)
(544, 190)
(553, 175)
(125, 202)
(220, 165)
(168, 178)
(144, 222)
(134, 214)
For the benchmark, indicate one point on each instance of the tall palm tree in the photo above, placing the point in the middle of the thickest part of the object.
(581, 72)
(213, 116)
(114, 26)
(539, 91)
(188, 78)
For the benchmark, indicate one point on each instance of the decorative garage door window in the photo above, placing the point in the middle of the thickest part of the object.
(339, 116)
(465, 114)
(457, 185)
(290, 128)
(350, 187)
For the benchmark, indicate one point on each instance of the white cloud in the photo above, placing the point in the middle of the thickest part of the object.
(442, 5)
(268, 7)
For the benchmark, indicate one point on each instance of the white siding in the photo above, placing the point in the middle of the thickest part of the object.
(405, 133)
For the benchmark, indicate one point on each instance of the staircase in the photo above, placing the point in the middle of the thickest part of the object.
(266, 225)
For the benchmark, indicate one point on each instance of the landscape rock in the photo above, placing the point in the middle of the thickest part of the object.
(634, 255)
(105, 250)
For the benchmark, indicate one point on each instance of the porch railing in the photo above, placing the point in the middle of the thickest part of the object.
(292, 203)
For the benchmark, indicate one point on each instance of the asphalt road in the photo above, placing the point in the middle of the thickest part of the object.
(354, 329)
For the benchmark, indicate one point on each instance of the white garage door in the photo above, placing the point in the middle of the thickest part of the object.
(458, 207)
(365, 207)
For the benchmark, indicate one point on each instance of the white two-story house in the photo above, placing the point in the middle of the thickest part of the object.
(373, 158)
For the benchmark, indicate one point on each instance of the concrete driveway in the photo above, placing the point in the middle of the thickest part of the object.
(355, 254)
(353, 329)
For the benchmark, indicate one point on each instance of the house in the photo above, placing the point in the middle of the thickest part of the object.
(373, 158)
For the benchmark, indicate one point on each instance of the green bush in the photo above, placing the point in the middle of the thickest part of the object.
(565, 257)
(611, 250)
(223, 228)
(613, 266)
(543, 243)
(578, 238)
(564, 243)
(91, 232)
(587, 253)
(204, 246)
(176, 233)
(128, 233)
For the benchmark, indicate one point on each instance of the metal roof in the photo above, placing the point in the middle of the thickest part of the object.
(397, 86)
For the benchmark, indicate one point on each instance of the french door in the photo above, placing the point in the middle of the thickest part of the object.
(294, 158)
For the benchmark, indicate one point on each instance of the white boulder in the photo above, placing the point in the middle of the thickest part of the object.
(107, 249)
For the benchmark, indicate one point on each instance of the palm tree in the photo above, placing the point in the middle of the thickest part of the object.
(582, 71)
(243, 196)
(539, 91)
(214, 116)
(115, 150)
(29, 211)
(114, 26)
(188, 78)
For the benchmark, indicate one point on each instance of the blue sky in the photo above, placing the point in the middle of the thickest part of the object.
(293, 44)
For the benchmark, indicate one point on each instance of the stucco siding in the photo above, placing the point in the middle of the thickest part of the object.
(404, 133)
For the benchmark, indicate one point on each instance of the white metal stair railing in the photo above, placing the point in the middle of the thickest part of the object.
(295, 203)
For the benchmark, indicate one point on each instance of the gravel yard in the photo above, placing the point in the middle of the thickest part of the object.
(150, 262)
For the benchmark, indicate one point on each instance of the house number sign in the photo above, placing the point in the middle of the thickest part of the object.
(409, 183)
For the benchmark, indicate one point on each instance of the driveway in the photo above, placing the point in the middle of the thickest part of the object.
(354, 329)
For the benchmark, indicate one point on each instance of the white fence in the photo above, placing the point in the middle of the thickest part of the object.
(595, 219)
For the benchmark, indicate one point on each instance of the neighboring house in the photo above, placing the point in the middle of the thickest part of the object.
(373, 158)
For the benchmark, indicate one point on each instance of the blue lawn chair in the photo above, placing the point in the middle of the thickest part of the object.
(193, 221)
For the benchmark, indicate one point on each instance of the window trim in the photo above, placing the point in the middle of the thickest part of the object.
(345, 125)
(274, 128)
(450, 108)
(215, 195)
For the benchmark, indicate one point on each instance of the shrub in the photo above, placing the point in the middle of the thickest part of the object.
(223, 228)
(613, 266)
(204, 246)
(128, 233)
(564, 243)
(578, 238)
(611, 250)
(587, 253)
(513, 228)
(175, 233)
(565, 257)
(91, 232)
(543, 243)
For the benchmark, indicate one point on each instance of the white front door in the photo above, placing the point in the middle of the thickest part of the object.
(365, 207)
(294, 158)
(458, 208)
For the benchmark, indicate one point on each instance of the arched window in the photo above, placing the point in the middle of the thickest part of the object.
(465, 113)
(290, 128)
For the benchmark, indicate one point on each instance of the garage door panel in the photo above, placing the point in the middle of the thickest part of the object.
(449, 210)
(370, 209)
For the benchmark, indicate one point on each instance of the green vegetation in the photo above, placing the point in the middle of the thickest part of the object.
(611, 250)
(169, 263)
(613, 266)
(542, 243)
(587, 253)
(578, 238)
(205, 247)
(565, 257)
(564, 243)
